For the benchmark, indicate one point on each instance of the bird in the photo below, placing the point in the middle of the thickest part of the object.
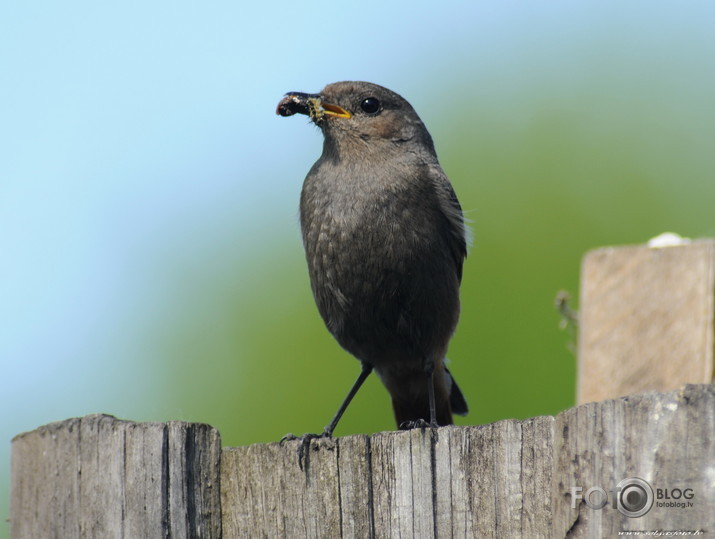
(385, 242)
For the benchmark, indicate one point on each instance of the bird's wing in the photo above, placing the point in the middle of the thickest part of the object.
(455, 234)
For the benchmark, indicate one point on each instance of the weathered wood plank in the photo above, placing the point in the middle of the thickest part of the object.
(402, 475)
(98, 476)
(508, 479)
(355, 474)
(274, 498)
(667, 439)
(646, 319)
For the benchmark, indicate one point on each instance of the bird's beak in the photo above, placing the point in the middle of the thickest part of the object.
(309, 104)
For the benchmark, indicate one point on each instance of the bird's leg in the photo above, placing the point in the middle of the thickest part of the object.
(432, 404)
(364, 373)
(328, 431)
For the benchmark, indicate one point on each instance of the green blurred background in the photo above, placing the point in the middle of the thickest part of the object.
(151, 264)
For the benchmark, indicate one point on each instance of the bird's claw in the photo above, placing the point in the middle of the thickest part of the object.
(304, 445)
(418, 424)
(288, 438)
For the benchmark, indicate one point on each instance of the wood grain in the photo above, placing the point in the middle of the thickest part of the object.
(101, 477)
(646, 319)
(98, 476)
(508, 479)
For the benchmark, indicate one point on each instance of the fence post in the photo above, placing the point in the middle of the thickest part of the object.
(646, 319)
(98, 476)
(508, 479)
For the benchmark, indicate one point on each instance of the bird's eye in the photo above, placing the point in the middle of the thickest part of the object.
(370, 105)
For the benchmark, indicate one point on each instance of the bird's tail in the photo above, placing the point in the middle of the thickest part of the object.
(456, 399)
(410, 402)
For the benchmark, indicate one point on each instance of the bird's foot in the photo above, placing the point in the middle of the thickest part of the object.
(418, 424)
(304, 445)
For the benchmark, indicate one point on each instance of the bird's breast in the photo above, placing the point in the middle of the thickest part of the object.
(363, 236)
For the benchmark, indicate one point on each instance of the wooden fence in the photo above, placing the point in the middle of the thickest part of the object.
(644, 462)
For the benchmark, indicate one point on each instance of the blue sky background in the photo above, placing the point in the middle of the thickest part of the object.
(148, 192)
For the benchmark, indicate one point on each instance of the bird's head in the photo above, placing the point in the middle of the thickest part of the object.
(350, 113)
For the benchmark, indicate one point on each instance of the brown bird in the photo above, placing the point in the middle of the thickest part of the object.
(385, 241)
